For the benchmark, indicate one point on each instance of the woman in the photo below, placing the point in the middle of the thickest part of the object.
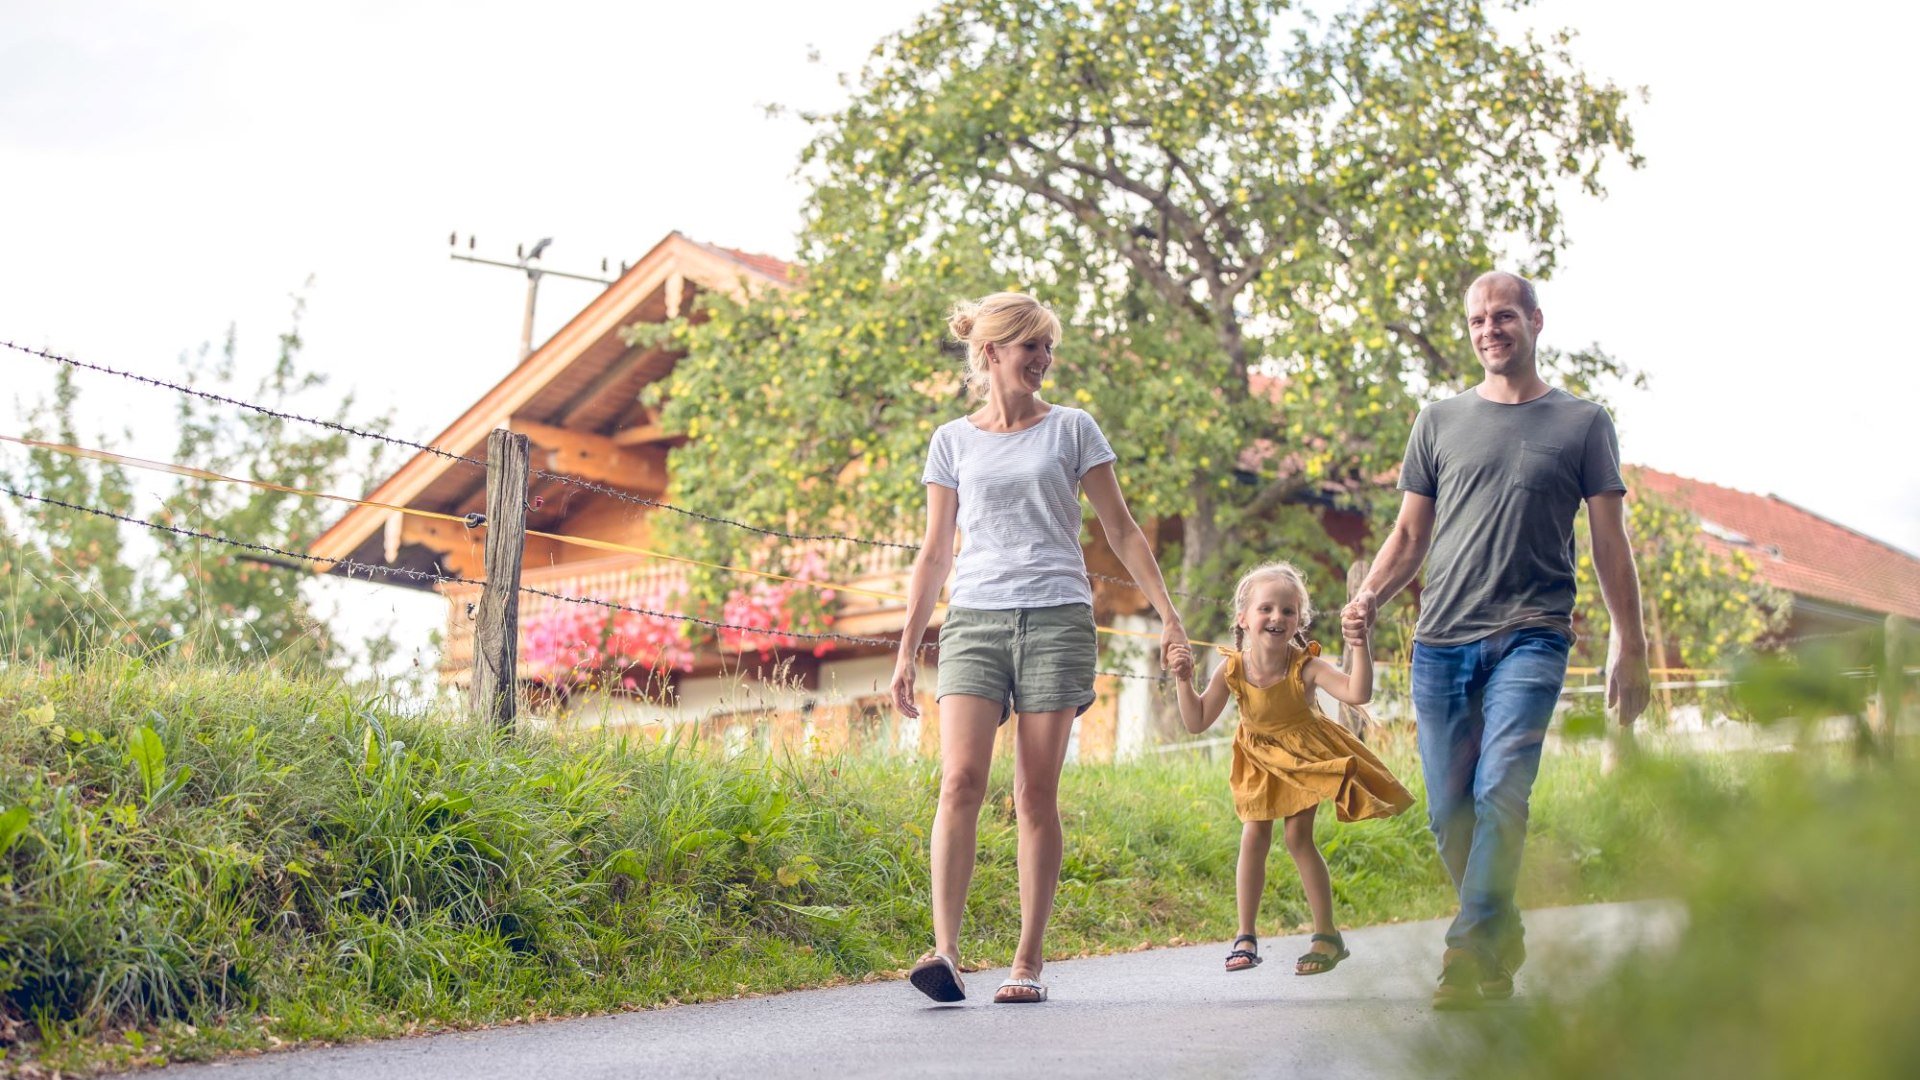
(1019, 634)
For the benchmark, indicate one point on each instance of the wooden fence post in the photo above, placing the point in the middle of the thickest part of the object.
(496, 631)
(1893, 681)
(1354, 719)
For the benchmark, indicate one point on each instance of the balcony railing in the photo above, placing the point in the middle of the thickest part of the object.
(638, 582)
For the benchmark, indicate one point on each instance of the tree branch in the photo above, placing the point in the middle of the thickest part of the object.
(1194, 236)
(1255, 267)
(1436, 360)
(1089, 215)
(1274, 494)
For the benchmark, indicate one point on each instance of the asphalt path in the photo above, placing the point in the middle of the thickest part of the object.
(1160, 1012)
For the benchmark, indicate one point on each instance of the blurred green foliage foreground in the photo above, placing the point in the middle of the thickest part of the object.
(1801, 956)
(1799, 959)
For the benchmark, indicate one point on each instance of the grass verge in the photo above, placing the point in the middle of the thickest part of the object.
(198, 861)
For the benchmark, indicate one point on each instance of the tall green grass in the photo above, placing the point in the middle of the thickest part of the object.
(195, 860)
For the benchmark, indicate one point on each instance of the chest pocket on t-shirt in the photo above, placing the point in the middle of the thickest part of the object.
(1539, 467)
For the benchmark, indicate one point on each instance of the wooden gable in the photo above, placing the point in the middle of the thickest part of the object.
(577, 399)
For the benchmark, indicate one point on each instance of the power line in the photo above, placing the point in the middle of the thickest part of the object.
(561, 478)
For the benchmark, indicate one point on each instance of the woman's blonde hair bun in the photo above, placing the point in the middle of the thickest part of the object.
(1002, 318)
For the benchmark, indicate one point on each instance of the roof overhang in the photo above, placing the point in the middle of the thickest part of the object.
(559, 385)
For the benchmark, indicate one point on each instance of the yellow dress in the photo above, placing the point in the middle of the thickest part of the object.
(1288, 756)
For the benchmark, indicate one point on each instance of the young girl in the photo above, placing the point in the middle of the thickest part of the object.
(1287, 756)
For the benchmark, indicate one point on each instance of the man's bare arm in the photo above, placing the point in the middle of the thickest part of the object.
(1627, 677)
(1399, 560)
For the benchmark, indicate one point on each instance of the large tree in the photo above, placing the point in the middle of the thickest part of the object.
(1257, 224)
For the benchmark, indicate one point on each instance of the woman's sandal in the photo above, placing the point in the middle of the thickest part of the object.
(1251, 957)
(938, 977)
(1319, 963)
(1020, 992)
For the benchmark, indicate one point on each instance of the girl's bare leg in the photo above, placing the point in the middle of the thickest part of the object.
(1250, 878)
(1314, 879)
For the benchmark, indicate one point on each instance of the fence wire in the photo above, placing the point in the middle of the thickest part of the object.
(543, 474)
(352, 567)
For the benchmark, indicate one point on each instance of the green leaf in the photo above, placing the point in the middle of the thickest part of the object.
(148, 756)
(1811, 685)
(625, 862)
(833, 916)
(704, 838)
(13, 823)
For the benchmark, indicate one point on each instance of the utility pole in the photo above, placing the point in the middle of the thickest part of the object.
(525, 263)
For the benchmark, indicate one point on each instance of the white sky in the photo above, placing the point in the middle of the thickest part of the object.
(168, 168)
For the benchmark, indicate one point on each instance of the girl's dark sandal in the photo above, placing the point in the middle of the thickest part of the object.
(1319, 963)
(1251, 957)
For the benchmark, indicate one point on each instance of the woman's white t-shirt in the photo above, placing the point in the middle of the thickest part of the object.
(1019, 508)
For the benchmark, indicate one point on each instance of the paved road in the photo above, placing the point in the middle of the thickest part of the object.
(1165, 1012)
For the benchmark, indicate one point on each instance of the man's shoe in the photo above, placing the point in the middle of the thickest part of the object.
(1496, 984)
(1496, 977)
(1459, 982)
(1514, 954)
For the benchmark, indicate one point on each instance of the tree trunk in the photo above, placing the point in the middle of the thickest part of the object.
(1200, 543)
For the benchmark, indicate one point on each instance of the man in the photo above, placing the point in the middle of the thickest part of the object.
(1492, 479)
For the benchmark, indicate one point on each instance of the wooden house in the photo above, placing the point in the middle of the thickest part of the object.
(579, 399)
(1841, 581)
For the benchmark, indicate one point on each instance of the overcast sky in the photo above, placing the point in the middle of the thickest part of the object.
(170, 168)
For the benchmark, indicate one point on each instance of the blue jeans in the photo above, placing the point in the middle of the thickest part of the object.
(1483, 710)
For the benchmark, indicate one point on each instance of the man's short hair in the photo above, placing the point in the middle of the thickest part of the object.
(1529, 300)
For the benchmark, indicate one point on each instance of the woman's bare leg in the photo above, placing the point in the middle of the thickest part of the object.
(1040, 750)
(967, 726)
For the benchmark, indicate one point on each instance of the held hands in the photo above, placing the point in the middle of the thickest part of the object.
(1173, 636)
(1356, 619)
(1180, 662)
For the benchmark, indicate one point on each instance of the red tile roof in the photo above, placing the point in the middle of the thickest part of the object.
(1795, 549)
(778, 269)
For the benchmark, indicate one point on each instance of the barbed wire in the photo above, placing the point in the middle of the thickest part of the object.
(353, 566)
(278, 414)
(428, 448)
(642, 500)
(544, 474)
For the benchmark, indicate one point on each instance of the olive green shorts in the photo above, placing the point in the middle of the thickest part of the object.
(1032, 659)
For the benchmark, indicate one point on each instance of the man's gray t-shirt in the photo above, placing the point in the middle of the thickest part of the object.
(1506, 481)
